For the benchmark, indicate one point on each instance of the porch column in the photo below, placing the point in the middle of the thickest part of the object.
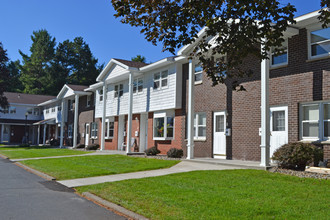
(2, 129)
(44, 138)
(33, 135)
(75, 128)
(191, 112)
(265, 114)
(130, 109)
(104, 110)
(62, 123)
(38, 140)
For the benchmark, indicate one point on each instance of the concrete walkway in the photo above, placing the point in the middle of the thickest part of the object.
(184, 166)
(105, 152)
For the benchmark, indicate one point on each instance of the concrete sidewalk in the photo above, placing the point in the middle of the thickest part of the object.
(105, 152)
(184, 166)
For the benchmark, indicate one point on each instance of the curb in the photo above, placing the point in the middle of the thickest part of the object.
(36, 172)
(112, 206)
(4, 157)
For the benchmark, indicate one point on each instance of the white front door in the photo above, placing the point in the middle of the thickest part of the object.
(278, 128)
(143, 132)
(6, 134)
(87, 130)
(219, 135)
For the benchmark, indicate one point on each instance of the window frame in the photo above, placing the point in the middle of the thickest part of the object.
(321, 136)
(160, 80)
(101, 95)
(12, 110)
(197, 73)
(70, 130)
(53, 109)
(88, 101)
(136, 85)
(118, 90)
(196, 126)
(109, 121)
(165, 116)
(94, 130)
(309, 39)
(36, 111)
(286, 44)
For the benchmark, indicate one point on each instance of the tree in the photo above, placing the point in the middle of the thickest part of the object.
(14, 83)
(35, 68)
(139, 58)
(237, 28)
(78, 61)
(4, 76)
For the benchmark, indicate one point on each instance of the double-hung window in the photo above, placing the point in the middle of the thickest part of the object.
(59, 108)
(315, 121)
(320, 43)
(36, 111)
(94, 130)
(29, 111)
(161, 80)
(53, 109)
(163, 126)
(198, 74)
(280, 58)
(119, 90)
(70, 104)
(138, 85)
(12, 110)
(47, 110)
(100, 91)
(88, 102)
(109, 128)
(200, 126)
(70, 130)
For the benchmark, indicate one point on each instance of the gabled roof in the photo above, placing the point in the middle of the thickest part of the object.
(22, 98)
(77, 87)
(126, 64)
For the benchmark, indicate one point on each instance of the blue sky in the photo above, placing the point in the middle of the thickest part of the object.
(92, 20)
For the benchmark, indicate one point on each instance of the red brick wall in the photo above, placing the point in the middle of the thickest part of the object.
(326, 151)
(299, 81)
(86, 115)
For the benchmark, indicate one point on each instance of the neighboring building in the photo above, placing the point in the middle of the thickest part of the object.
(16, 124)
(77, 108)
(152, 104)
(227, 122)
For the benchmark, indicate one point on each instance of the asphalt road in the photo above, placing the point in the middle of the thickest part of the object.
(24, 195)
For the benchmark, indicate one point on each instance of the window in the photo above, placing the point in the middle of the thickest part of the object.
(198, 74)
(160, 79)
(100, 95)
(278, 120)
(12, 110)
(70, 130)
(282, 57)
(47, 110)
(59, 108)
(88, 103)
(70, 104)
(5, 110)
(36, 111)
(200, 126)
(53, 109)
(94, 130)
(138, 85)
(29, 111)
(119, 90)
(315, 121)
(163, 126)
(320, 42)
(109, 128)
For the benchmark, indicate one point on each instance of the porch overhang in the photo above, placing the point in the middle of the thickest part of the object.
(50, 121)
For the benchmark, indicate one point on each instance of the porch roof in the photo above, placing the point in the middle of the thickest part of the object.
(50, 121)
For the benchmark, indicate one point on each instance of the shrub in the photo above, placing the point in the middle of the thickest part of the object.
(175, 153)
(54, 142)
(295, 155)
(80, 146)
(152, 151)
(93, 147)
(24, 145)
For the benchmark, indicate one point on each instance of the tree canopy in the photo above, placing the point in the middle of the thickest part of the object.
(139, 58)
(4, 76)
(238, 28)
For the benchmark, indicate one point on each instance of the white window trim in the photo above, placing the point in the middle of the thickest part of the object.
(164, 115)
(114, 89)
(92, 130)
(160, 80)
(309, 30)
(196, 126)
(136, 81)
(321, 120)
(100, 95)
(12, 110)
(199, 72)
(107, 122)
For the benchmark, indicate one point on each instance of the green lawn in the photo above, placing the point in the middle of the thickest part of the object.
(78, 167)
(17, 152)
(228, 194)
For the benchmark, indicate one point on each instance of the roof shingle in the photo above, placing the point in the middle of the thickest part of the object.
(22, 98)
